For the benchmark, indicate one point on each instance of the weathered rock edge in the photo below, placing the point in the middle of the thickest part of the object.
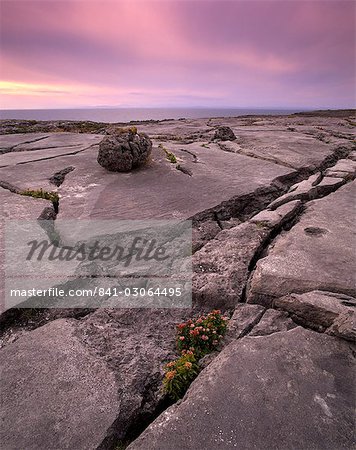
(300, 396)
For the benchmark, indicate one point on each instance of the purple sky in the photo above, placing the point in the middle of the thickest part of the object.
(79, 53)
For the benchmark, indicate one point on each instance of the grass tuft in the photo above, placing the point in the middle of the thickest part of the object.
(169, 155)
(40, 193)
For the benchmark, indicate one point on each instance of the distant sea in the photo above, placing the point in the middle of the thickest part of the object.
(132, 114)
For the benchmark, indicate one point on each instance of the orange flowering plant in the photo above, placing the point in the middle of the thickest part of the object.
(179, 374)
(203, 334)
(195, 338)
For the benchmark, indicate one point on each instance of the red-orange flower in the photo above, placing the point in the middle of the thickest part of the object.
(170, 375)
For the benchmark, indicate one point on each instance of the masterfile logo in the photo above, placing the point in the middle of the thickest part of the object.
(80, 264)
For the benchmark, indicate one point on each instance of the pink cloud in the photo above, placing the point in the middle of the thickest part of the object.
(211, 53)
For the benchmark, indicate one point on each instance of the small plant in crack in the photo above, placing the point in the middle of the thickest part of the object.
(169, 155)
(40, 193)
(195, 339)
(203, 334)
(179, 374)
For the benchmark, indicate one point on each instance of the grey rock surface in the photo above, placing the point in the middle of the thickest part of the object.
(314, 187)
(231, 223)
(272, 218)
(318, 309)
(344, 326)
(275, 144)
(316, 306)
(316, 254)
(65, 384)
(221, 268)
(273, 321)
(58, 177)
(16, 142)
(158, 190)
(289, 390)
(343, 168)
(269, 152)
(327, 185)
(21, 208)
(124, 151)
(259, 385)
(244, 318)
(55, 392)
(204, 232)
(352, 156)
(300, 191)
(27, 148)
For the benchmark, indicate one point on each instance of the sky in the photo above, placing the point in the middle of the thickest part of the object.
(166, 53)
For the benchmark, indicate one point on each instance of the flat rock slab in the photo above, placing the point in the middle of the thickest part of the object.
(320, 310)
(244, 318)
(343, 168)
(159, 190)
(289, 390)
(272, 322)
(55, 392)
(36, 174)
(21, 207)
(316, 254)
(76, 384)
(48, 146)
(313, 187)
(16, 207)
(276, 217)
(283, 147)
(12, 142)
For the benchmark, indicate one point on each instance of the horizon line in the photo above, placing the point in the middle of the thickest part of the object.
(279, 108)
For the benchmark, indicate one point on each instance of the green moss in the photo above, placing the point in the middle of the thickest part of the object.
(40, 193)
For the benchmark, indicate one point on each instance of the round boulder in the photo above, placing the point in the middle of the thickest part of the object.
(224, 134)
(124, 150)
